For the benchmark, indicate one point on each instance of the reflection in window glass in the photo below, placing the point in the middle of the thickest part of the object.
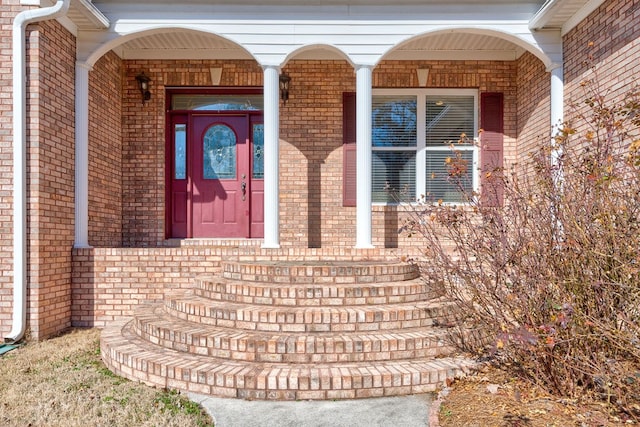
(258, 151)
(217, 102)
(441, 184)
(394, 138)
(393, 120)
(180, 158)
(448, 117)
(219, 153)
(393, 176)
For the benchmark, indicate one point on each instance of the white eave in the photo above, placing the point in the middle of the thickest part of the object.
(562, 14)
(87, 16)
(82, 15)
(274, 31)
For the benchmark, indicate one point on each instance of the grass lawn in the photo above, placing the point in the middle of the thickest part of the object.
(63, 382)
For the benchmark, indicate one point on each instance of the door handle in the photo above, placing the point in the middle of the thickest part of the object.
(243, 187)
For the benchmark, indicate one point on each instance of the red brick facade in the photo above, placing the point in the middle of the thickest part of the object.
(127, 189)
(615, 34)
(105, 152)
(51, 135)
(534, 116)
(109, 282)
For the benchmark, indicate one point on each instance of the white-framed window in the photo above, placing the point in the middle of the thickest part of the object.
(412, 133)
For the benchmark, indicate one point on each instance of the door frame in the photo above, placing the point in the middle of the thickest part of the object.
(186, 114)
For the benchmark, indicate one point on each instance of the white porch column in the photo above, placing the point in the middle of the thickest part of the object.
(271, 156)
(363, 157)
(82, 156)
(557, 117)
(557, 106)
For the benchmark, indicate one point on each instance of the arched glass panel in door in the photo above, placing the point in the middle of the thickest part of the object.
(258, 151)
(219, 152)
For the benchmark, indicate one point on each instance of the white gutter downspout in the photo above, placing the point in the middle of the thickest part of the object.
(20, 23)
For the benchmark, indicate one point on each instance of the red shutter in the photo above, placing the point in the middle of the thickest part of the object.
(492, 147)
(349, 149)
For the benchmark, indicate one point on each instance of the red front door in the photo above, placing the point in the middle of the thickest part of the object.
(220, 176)
(219, 193)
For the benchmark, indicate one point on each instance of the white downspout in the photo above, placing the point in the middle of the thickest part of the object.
(20, 23)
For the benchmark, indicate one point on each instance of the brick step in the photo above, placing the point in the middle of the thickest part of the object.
(304, 295)
(219, 242)
(320, 272)
(251, 250)
(132, 357)
(154, 325)
(308, 319)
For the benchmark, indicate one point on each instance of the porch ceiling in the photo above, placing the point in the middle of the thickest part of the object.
(195, 45)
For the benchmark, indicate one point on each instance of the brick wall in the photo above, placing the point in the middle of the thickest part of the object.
(534, 114)
(614, 31)
(311, 209)
(8, 10)
(51, 134)
(105, 152)
(108, 283)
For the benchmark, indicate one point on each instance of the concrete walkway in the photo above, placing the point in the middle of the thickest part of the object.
(405, 411)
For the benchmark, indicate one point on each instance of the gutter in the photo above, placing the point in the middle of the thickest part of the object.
(20, 23)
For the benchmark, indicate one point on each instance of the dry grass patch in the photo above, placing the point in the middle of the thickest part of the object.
(493, 398)
(63, 382)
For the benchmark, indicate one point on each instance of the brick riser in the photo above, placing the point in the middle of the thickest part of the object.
(132, 357)
(153, 324)
(307, 295)
(307, 319)
(345, 330)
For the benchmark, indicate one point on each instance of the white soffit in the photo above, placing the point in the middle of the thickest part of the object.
(82, 14)
(181, 45)
(86, 16)
(455, 46)
(563, 14)
(195, 45)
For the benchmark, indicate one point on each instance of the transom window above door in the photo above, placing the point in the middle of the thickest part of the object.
(217, 102)
(412, 133)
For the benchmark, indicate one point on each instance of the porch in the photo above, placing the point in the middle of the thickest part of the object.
(228, 318)
(108, 283)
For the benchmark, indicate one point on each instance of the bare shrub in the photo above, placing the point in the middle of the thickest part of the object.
(552, 275)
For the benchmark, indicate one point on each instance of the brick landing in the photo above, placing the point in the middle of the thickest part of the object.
(287, 329)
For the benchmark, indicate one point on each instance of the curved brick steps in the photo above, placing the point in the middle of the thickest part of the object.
(152, 323)
(308, 319)
(129, 355)
(286, 294)
(292, 330)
